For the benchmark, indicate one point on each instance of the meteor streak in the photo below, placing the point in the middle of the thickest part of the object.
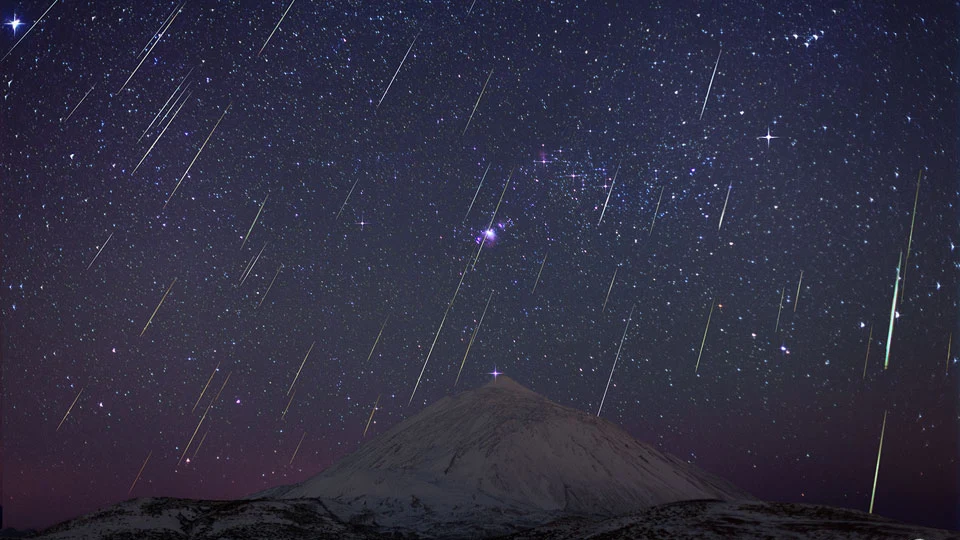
(160, 35)
(382, 326)
(247, 236)
(150, 320)
(710, 85)
(782, 292)
(270, 286)
(199, 444)
(949, 345)
(475, 105)
(205, 387)
(610, 288)
(910, 241)
(428, 355)
(298, 448)
(622, 338)
(725, 201)
(342, 206)
(164, 108)
(477, 193)
(275, 28)
(538, 274)
(202, 146)
(398, 69)
(370, 418)
(656, 210)
(893, 314)
(876, 472)
(164, 130)
(796, 301)
(25, 34)
(867, 356)
(493, 218)
(473, 337)
(297, 376)
(704, 340)
(99, 250)
(139, 473)
(612, 183)
(251, 264)
(78, 104)
(69, 409)
(287, 408)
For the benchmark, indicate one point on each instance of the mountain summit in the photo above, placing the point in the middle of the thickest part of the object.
(504, 456)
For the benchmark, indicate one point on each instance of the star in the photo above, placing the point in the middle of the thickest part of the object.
(495, 373)
(768, 137)
(15, 23)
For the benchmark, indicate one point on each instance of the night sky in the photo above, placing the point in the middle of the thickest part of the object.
(358, 181)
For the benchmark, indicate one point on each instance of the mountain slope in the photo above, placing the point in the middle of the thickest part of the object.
(510, 455)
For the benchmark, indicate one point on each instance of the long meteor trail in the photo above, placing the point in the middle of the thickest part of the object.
(622, 338)
(139, 472)
(473, 337)
(725, 201)
(25, 34)
(69, 409)
(713, 303)
(477, 193)
(275, 28)
(913, 220)
(164, 130)
(866, 358)
(150, 320)
(428, 354)
(780, 310)
(654, 220)
(483, 237)
(893, 313)
(100, 250)
(202, 146)
(297, 376)
(876, 471)
(612, 184)
(796, 300)
(247, 236)
(477, 104)
(380, 333)
(370, 418)
(711, 84)
(610, 288)
(398, 69)
(159, 37)
(538, 274)
(78, 104)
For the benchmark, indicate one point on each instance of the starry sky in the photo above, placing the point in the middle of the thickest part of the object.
(224, 241)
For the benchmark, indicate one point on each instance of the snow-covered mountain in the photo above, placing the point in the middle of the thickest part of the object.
(499, 461)
(507, 458)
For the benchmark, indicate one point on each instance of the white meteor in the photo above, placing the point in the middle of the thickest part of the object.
(725, 201)
(622, 338)
(398, 69)
(99, 251)
(711, 84)
(275, 28)
(477, 104)
(247, 236)
(613, 183)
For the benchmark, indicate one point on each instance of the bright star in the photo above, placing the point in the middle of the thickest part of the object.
(495, 373)
(15, 23)
(768, 137)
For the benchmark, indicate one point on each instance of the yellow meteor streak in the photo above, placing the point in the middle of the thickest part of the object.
(70, 409)
(796, 301)
(287, 408)
(200, 444)
(297, 376)
(473, 337)
(275, 28)
(867, 357)
(187, 447)
(298, 448)
(704, 340)
(949, 345)
(150, 320)
(370, 418)
(610, 288)
(910, 241)
(247, 236)
(382, 326)
(876, 472)
(538, 274)
(782, 292)
(656, 210)
(205, 387)
(139, 473)
(194, 160)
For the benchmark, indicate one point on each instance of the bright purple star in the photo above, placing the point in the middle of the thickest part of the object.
(495, 373)
(15, 23)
